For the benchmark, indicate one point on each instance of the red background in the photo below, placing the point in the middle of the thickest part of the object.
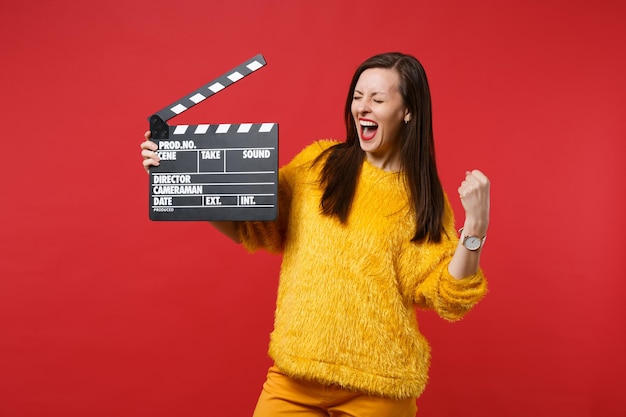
(104, 313)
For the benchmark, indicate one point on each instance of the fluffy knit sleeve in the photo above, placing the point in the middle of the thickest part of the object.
(436, 289)
(270, 235)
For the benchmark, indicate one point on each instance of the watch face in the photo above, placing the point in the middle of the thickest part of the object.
(472, 242)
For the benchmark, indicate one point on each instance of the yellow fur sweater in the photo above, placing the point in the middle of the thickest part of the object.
(345, 308)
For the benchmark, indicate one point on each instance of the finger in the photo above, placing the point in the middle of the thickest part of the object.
(149, 145)
(147, 154)
(147, 135)
(465, 189)
(468, 188)
(479, 176)
(147, 163)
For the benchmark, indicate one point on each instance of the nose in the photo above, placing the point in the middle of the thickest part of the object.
(362, 106)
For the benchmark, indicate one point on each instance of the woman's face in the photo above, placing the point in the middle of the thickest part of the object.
(379, 113)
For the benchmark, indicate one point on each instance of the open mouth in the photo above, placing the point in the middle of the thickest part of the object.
(368, 129)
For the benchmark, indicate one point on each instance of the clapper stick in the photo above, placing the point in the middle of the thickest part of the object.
(214, 171)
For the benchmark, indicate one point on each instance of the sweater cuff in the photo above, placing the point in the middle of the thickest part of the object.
(455, 297)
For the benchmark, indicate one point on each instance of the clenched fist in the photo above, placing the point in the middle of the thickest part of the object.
(474, 193)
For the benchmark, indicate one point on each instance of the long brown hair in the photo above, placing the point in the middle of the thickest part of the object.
(343, 162)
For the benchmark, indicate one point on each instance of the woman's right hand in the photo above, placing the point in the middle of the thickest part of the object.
(148, 152)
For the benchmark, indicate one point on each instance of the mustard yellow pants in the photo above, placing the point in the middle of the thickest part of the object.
(285, 396)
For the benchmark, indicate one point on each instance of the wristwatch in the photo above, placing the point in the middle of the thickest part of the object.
(473, 242)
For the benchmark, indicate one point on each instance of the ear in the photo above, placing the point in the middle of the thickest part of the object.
(407, 116)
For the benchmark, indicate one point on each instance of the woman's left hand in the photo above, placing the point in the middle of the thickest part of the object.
(474, 193)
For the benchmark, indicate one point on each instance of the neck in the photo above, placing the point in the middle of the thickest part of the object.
(388, 162)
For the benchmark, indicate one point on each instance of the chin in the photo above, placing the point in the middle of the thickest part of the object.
(368, 145)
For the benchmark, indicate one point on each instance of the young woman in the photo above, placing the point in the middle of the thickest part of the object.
(367, 234)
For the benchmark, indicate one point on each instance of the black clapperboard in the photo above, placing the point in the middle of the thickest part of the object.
(214, 171)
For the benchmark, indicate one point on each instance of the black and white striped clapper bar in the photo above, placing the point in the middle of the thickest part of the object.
(214, 171)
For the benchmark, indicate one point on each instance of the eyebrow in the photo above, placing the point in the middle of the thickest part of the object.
(373, 94)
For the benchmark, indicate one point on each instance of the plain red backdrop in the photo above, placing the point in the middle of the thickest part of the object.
(104, 313)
